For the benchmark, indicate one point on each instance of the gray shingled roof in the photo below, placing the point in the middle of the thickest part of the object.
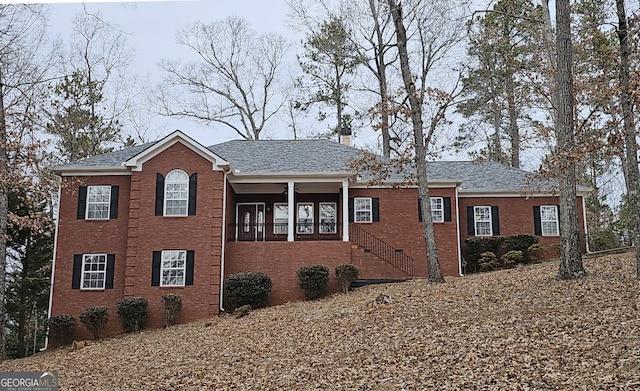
(285, 156)
(324, 156)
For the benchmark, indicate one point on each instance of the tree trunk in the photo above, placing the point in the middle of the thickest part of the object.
(550, 53)
(514, 131)
(570, 256)
(4, 211)
(433, 266)
(381, 68)
(629, 131)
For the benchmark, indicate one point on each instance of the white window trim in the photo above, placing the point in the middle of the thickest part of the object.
(475, 222)
(285, 227)
(335, 218)
(557, 221)
(104, 273)
(356, 210)
(166, 184)
(441, 210)
(86, 212)
(162, 268)
(313, 218)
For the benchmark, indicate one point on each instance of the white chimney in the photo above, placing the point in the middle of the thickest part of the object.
(345, 136)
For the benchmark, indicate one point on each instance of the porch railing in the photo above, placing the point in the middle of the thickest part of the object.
(278, 232)
(381, 249)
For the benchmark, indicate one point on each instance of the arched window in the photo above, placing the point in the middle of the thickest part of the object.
(176, 193)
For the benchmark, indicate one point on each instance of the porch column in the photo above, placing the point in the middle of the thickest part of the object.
(345, 210)
(291, 208)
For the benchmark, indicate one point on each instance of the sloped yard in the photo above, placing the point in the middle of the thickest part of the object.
(518, 329)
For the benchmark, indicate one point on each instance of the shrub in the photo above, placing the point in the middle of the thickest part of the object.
(476, 246)
(60, 327)
(133, 313)
(488, 261)
(535, 253)
(313, 280)
(520, 242)
(346, 275)
(512, 258)
(95, 319)
(172, 308)
(249, 288)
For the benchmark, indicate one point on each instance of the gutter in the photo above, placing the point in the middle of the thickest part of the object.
(224, 240)
(53, 266)
(458, 234)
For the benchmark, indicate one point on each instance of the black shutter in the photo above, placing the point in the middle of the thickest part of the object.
(537, 222)
(113, 208)
(495, 221)
(111, 262)
(193, 188)
(82, 201)
(558, 216)
(419, 210)
(471, 227)
(77, 271)
(447, 208)
(375, 207)
(159, 195)
(351, 210)
(155, 268)
(188, 280)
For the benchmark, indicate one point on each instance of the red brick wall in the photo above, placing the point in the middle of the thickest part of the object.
(399, 226)
(78, 236)
(281, 260)
(201, 233)
(516, 216)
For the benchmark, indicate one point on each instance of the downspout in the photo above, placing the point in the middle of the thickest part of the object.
(584, 222)
(53, 264)
(458, 233)
(224, 239)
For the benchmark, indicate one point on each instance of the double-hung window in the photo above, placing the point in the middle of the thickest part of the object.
(280, 218)
(176, 193)
(437, 209)
(363, 208)
(98, 202)
(305, 218)
(173, 268)
(94, 271)
(482, 219)
(549, 220)
(328, 216)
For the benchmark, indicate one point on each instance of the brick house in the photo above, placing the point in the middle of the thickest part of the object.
(175, 217)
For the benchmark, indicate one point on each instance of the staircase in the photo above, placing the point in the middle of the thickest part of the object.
(380, 249)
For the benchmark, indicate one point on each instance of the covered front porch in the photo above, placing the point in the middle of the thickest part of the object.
(294, 210)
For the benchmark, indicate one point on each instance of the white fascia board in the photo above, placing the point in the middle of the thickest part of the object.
(388, 185)
(98, 171)
(505, 193)
(138, 160)
(290, 177)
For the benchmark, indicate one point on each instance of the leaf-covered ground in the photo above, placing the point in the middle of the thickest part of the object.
(519, 329)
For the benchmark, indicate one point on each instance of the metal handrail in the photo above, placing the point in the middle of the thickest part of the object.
(381, 249)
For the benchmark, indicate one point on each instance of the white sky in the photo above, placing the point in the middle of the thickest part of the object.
(151, 28)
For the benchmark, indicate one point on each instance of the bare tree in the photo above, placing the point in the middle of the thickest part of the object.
(570, 256)
(415, 104)
(632, 174)
(234, 82)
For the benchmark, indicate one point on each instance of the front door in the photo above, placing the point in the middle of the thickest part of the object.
(250, 222)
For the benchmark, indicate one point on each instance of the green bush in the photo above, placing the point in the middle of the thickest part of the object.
(133, 313)
(248, 288)
(520, 242)
(172, 308)
(535, 253)
(476, 246)
(488, 261)
(95, 319)
(60, 328)
(346, 275)
(512, 258)
(313, 280)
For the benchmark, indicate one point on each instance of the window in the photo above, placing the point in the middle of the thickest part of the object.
(328, 212)
(549, 220)
(94, 271)
(98, 202)
(305, 218)
(363, 210)
(280, 218)
(173, 267)
(437, 209)
(176, 193)
(482, 220)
